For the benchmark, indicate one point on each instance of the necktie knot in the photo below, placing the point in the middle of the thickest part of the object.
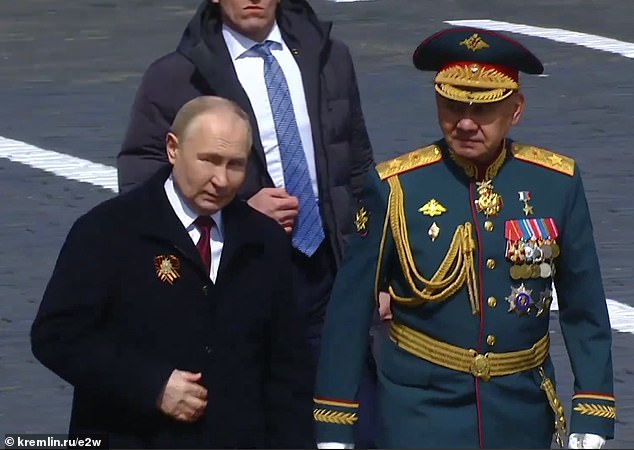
(263, 49)
(204, 223)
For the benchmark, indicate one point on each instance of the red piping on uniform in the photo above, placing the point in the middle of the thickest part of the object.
(595, 393)
(481, 295)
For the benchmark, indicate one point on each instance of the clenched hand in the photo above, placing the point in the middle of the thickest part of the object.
(278, 205)
(183, 398)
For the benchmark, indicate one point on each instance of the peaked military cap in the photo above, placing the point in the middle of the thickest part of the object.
(475, 65)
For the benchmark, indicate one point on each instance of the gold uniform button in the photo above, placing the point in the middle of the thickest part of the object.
(491, 340)
(492, 301)
(488, 225)
(491, 263)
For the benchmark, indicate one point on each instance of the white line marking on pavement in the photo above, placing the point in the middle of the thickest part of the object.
(73, 168)
(554, 34)
(621, 315)
(59, 164)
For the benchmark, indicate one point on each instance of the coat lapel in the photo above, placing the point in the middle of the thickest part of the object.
(157, 220)
(239, 237)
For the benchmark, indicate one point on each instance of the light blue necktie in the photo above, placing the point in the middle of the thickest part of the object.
(308, 231)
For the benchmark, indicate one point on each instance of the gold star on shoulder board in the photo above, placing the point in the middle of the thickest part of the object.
(432, 208)
(556, 160)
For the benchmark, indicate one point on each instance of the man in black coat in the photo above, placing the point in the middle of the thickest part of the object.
(218, 55)
(171, 308)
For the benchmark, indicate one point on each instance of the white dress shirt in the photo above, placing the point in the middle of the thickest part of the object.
(187, 216)
(249, 67)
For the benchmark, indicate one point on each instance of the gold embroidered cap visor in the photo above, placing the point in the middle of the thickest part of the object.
(474, 65)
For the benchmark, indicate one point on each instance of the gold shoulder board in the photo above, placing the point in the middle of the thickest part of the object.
(412, 160)
(544, 158)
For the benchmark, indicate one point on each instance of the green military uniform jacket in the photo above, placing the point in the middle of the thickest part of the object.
(470, 266)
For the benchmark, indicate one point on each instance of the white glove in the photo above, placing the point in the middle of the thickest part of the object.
(334, 445)
(585, 440)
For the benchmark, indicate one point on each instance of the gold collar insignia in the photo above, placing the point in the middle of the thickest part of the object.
(471, 170)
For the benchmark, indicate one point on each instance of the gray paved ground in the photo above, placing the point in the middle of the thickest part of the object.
(68, 71)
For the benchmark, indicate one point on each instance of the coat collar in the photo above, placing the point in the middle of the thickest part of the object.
(306, 36)
(472, 171)
(155, 219)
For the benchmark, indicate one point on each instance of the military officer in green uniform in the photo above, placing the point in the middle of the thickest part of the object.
(468, 235)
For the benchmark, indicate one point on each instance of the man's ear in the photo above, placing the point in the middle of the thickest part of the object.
(519, 108)
(171, 146)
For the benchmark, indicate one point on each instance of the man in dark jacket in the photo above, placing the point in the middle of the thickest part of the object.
(172, 344)
(309, 178)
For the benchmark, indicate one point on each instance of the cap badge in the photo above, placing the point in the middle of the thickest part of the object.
(475, 43)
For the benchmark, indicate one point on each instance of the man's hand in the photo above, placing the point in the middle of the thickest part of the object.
(182, 397)
(278, 205)
(585, 440)
(385, 310)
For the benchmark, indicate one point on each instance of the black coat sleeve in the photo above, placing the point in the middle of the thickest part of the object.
(73, 336)
(155, 105)
(360, 147)
(290, 378)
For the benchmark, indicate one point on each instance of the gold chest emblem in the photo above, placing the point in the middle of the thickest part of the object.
(361, 221)
(432, 208)
(488, 202)
(167, 268)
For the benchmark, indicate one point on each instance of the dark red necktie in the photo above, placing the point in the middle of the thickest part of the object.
(204, 224)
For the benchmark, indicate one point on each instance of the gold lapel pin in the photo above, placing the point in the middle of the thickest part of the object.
(167, 268)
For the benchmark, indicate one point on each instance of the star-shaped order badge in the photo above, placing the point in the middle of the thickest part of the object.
(520, 300)
(167, 268)
(545, 299)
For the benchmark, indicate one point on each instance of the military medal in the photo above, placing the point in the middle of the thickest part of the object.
(520, 300)
(545, 299)
(535, 271)
(545, 270)
(488, 201)
(515, 272)
(547, 250)
(525, 197)
(531, 247)
(167, 268)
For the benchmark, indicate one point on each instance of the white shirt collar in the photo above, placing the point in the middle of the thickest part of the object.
(239, 45)
(185, 214)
